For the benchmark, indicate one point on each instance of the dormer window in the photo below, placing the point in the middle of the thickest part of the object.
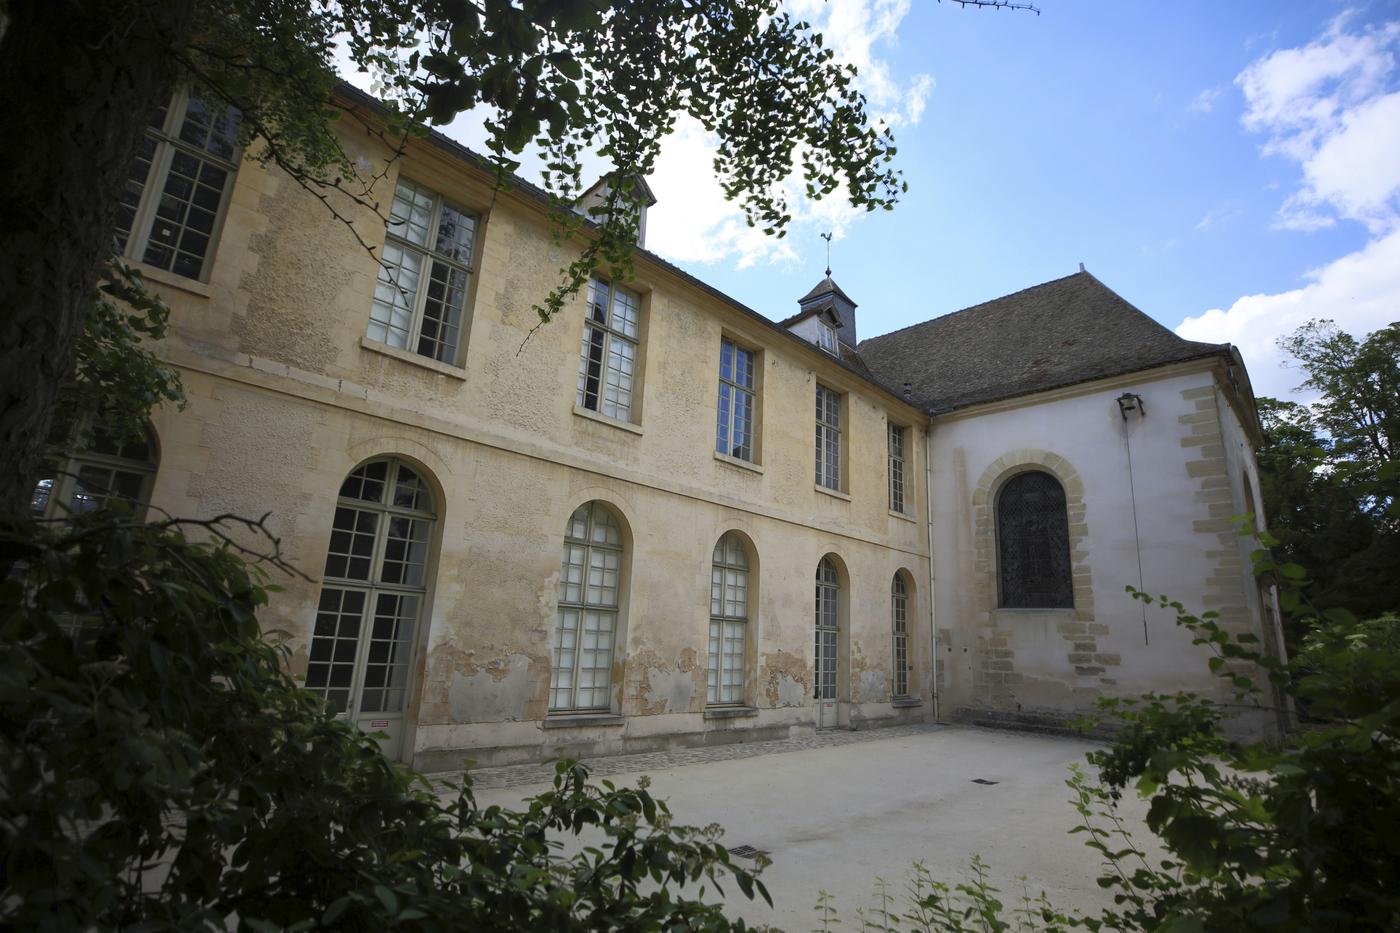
(826, 337)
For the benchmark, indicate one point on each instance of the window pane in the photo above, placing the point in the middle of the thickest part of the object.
(366, 483)
(442, 312)
(1033, 543)
(179, 237)
(456, 233)
(411, 212)
(395, 291)
(211, 126)
(590, 574)
(334, 645)
(130, 198)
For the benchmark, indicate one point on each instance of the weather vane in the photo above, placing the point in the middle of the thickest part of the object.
(827, 237)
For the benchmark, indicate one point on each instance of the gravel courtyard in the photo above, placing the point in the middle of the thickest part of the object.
(837, 810)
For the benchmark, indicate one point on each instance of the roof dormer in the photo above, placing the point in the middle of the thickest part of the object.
(639, 193)
(826, 317)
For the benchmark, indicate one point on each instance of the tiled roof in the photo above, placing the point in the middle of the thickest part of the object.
(826, 286)
(1063, 332)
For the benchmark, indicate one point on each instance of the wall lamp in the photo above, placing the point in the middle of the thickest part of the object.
(1131, 402)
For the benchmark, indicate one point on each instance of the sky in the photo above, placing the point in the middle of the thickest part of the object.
(1232, 169)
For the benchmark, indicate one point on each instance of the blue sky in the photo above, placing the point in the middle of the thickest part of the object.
(1231, 167)
(1186, 152)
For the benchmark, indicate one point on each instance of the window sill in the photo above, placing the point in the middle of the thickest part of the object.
(730, 712)
(580, 720)
(592, 415)
(154, 274)
(446, 369)
(834, 493)
(737, 462)
(906, 702)
(905, 516)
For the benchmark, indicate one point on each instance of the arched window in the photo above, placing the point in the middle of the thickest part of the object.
(1033, 543)
(105, 470)
(372, 596)
(729, 616)
(899, 623)
(828, 594)
(589, 585)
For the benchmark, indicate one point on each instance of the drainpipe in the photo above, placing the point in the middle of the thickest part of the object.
(1130, 403)
(928, 507)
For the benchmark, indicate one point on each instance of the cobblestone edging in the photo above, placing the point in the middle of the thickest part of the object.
(520, 775)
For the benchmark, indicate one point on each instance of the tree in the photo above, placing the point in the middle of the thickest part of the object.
(1359, 408)
(1328, 471)
(1319, 519)
(568, 75)
(160, 770)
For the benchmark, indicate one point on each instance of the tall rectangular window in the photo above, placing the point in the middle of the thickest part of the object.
(590, 581)
(734, 426)
(899, 610)
(896, 468)
(729, 615)
(828, 438)
(421, 292)
(607, 371)
(177, 187)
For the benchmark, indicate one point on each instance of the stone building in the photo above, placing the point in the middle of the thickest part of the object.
(663, 518)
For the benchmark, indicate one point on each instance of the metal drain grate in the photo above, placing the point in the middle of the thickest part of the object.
(984, 781)
(746, 851)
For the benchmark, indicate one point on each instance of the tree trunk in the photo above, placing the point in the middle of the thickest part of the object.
(79, 78)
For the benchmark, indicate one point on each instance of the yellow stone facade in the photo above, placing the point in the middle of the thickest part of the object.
(288, 395)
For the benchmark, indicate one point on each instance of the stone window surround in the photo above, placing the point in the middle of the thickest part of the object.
(996, 674)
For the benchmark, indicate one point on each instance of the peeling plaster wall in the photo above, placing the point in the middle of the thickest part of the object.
(286, 397)
(1048, 664)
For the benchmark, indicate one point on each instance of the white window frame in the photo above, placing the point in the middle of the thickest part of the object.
(898, 437)
(727, 672)
(59, 488)
(826, 337)
(827, 627)
(161, 144)
(416, 516)
(607, 373)
(416, 206)
(734, 435)
(828, 437)
(591, 556)
(899, 636)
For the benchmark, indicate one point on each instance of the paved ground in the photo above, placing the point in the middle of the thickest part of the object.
(840, 809)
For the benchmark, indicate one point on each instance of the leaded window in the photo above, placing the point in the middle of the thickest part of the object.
(729, 616)
(1033, 543)
(734, 430)
(373, 591)
(420, 296)
(178, 185)
(589, 581)
(896, 451)
(899, 622)
(828, 438)
(105, 470)
(607, 370)
(827, 622)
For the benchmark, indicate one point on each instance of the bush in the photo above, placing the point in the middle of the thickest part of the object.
(160, 770)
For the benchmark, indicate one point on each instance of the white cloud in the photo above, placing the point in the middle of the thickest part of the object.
(1333, 107)
(692, 222)
(1220, 216)
(1204, 102)
(1361, 292)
